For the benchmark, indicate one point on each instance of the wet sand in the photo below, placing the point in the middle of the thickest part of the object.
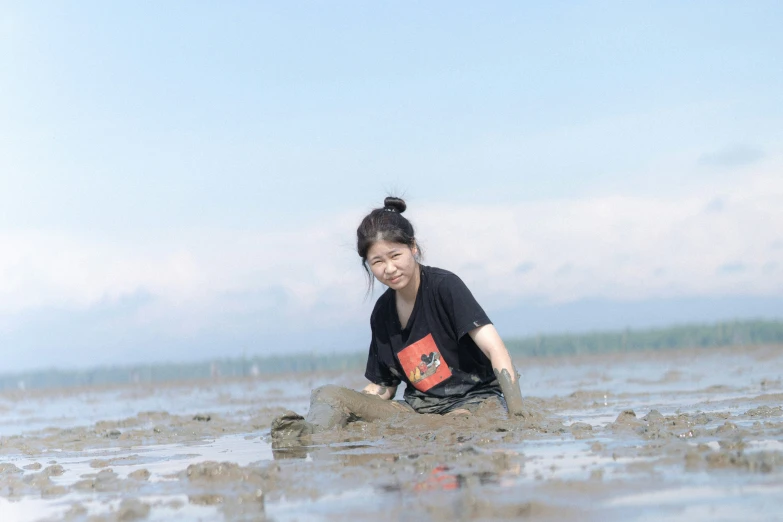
(686, 435)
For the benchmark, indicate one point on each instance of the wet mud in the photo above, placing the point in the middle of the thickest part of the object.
(675, 435)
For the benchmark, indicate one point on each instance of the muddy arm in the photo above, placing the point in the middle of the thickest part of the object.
(488, 340)
(384, 392)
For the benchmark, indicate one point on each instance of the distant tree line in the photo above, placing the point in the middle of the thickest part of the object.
(734, 333)
(168, 372)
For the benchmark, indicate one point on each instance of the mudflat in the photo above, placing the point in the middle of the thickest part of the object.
(691, 435)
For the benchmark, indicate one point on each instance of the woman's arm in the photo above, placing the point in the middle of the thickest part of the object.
(489, 342)
(384, 392)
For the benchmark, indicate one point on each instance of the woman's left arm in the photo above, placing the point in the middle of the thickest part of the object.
(489, 342)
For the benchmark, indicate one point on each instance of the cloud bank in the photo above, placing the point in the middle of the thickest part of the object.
(715, 242)
(723, 240)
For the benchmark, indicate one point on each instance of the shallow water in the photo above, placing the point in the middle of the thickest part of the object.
(687, 435)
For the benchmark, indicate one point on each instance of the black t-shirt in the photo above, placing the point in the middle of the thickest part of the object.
(433, 354)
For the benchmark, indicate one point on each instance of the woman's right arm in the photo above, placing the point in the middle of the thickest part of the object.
(384, 392)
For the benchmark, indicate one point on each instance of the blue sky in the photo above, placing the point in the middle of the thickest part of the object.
(183, 180)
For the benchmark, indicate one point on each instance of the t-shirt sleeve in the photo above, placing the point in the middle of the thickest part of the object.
(462, 308)
(376, 371)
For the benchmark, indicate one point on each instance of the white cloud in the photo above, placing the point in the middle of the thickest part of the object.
(614, 247)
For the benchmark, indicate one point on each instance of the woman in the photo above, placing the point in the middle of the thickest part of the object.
(427, 331)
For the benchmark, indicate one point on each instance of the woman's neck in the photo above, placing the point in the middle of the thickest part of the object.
(408, 294)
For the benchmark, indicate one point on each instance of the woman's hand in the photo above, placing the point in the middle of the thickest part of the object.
(489, 342)
(384, 392)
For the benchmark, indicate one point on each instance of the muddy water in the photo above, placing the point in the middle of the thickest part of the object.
(689, 435)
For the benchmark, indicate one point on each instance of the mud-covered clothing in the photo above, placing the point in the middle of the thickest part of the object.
(472, 404)
(434, 355)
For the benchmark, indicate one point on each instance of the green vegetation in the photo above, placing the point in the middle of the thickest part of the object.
(735, 333)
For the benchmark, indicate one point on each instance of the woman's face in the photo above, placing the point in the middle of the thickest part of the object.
(393, 264)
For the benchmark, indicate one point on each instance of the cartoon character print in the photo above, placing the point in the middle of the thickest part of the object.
(423, 364)
(428, 366)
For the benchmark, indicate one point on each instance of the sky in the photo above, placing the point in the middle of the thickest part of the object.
(182, 181)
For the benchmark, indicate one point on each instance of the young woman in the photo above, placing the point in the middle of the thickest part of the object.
(428, 331)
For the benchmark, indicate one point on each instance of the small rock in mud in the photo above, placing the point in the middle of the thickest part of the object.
(654, 417)
(139, 474)
(54, 470)
(655, 432)
(726, 427)
(84, 485)
(765, 411)
(206, 499)
(104, 480)
(34, 466)
(9, 469)
(581, 430)
(112, 434)
(175, 504)
(132, 509)
(626, 421)
(105, 474)
(202, 417)
(291, 425)
(99, 463)
(53, 490)
(38, 480)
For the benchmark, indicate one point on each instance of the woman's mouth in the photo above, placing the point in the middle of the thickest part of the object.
(395, 279)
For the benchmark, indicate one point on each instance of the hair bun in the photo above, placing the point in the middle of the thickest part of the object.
(395, 204)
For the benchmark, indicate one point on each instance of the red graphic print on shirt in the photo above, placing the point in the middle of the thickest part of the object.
(423, 364)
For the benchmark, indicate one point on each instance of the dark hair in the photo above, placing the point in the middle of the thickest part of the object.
(384, 224)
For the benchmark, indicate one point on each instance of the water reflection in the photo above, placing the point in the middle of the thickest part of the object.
(289, 449)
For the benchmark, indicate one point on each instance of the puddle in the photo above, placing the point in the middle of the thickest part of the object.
(136, 469)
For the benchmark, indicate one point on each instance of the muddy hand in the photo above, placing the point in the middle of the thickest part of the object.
(511, 392)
